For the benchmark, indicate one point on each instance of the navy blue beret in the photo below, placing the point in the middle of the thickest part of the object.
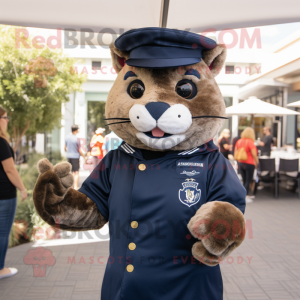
(154, 47)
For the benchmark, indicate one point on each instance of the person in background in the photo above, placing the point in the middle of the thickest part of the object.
(234, 140)
(111, 142)
(246, 167)
(9, 181)
(73, 149)
(224, 142)
(89, 149)
(96, 146)
(266, 143)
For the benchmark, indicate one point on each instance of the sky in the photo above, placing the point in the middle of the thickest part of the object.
(270, 35)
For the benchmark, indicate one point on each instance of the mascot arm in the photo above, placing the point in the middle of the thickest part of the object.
(219, 224)
(60, 205)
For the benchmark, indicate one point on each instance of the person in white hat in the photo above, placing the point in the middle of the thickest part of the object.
(96, 146)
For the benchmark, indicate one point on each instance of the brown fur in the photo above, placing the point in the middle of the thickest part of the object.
(57, 203)
(44, 165)
(202, 255)
(115, 53)
(215, 58)
(160, 86)
(62, 169)
(162, 77)
(219, 241)
(67, 181)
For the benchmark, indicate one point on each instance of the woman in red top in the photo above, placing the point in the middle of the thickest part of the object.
(247, 167)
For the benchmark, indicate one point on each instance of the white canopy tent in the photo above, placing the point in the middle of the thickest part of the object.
(117, 16)
(294, 104)
(258, 108)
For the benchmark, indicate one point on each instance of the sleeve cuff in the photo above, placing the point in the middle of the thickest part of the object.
(101, 207)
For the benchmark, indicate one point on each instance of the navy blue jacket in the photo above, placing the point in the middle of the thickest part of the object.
(160, 201)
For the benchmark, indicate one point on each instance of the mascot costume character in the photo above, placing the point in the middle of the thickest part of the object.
(173, 202)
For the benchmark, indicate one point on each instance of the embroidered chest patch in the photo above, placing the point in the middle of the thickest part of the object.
(189, 195)
(188, 168)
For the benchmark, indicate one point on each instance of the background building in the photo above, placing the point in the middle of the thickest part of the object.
(270, 73)
(86, 108)
(277, 83)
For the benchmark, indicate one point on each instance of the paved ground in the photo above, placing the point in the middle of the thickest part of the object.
(266, 266)
(274, 270)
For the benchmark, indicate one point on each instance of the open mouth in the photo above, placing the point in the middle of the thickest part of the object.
(158, 139)
(157, 133)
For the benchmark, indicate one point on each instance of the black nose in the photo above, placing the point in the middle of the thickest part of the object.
(156, 109)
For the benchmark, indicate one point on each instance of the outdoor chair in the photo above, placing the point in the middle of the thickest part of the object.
(267, 172)
(288, 171)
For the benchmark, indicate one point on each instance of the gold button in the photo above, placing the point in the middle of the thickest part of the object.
(142, 167)
(129, 268)
(132, 246)
(134, 224)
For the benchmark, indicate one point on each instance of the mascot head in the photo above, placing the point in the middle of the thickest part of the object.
(165, 96)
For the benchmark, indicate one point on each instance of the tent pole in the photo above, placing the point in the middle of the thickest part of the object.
(252, 121)
(164, 13)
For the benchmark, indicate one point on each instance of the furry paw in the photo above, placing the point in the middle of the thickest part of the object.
(44, 165)
(60, 205)
(63, 171)
(201, 254)
(220, 226)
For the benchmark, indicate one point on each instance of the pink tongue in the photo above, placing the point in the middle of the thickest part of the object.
(157, 132)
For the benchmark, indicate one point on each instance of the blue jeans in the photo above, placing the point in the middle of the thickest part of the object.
(7, 215)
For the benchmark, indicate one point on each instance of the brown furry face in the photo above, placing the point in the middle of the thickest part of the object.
(160, 86)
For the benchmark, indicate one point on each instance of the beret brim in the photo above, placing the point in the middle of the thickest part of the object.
(162, 63)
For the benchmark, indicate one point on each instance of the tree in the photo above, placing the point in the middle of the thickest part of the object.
(34, 83)
(41, 68)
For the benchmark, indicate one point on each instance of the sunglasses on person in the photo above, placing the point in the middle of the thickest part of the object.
(7, 118)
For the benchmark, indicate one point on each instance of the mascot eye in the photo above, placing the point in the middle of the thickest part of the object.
(186, 89)
(136, 89)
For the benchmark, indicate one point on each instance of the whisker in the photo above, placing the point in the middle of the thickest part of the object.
(199, 117)
(117, 119)
(118, 123)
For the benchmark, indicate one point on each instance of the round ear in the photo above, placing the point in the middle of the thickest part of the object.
(215, 58)
(118, 57)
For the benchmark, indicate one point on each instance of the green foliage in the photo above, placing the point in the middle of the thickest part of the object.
(30, 173)
(33, 109)
(21, 230)
(56, 157)
(96, 117)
